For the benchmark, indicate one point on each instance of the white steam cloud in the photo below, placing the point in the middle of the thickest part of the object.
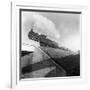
(45, 26)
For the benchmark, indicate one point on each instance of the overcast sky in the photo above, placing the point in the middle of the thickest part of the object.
(63, 28)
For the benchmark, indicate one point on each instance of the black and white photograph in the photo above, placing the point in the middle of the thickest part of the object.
(49, 43)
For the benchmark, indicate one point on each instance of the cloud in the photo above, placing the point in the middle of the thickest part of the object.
(45, 26)
(72, 42)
